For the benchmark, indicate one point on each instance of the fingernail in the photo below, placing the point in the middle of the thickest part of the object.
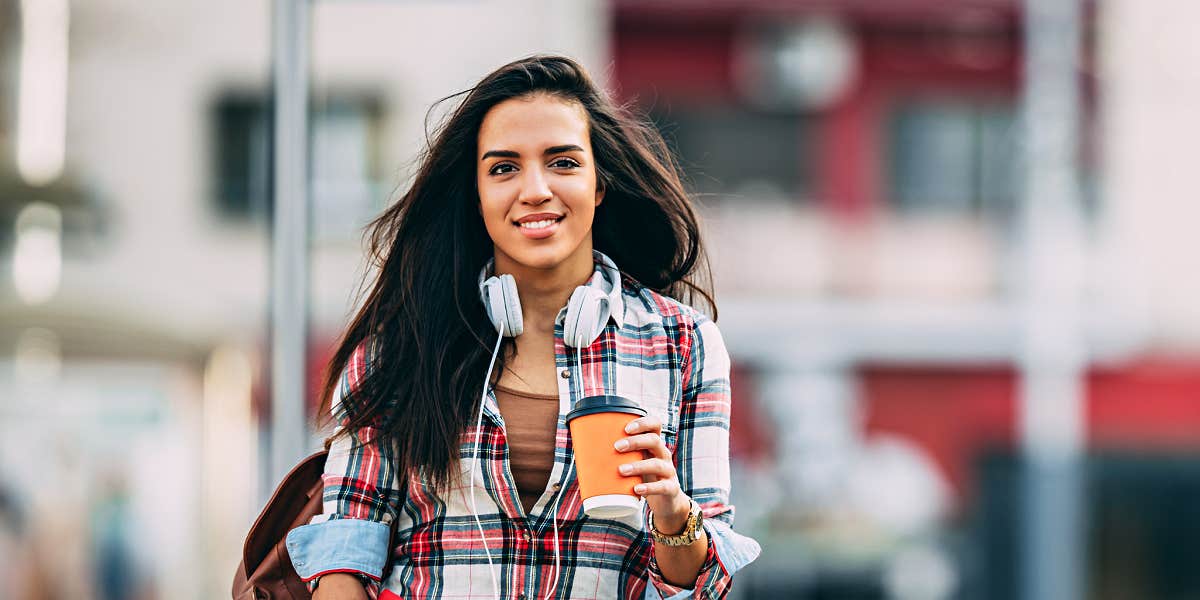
(625, 469)
(621, 444)
(631, 427)
(639, 489)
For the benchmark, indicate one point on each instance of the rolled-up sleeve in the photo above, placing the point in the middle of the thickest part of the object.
(701, 457)
(360, 499)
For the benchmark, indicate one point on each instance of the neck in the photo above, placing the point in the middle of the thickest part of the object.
(544, 292)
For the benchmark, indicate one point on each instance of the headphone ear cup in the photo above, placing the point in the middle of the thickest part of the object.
(587, 314)
(503, 304)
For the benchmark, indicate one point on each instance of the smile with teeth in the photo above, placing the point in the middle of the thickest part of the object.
(539, 224)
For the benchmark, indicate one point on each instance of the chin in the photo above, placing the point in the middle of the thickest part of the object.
(539, 260)
(546, 258)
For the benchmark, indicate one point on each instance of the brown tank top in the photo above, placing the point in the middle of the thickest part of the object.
(531, 422)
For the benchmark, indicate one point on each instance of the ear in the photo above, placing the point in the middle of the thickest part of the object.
(599, 192)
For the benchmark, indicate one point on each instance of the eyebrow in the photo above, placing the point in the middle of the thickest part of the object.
(513, 154)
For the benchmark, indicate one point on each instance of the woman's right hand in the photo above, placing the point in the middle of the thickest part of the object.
(340, 586)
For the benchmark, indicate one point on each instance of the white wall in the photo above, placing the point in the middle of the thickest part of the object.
(1150, 88)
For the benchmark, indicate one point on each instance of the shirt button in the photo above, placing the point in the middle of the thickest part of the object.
(521, 596)
(528, 536)
(565, 373)
(556, 486)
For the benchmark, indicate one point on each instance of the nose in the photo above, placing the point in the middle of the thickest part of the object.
(534, 188)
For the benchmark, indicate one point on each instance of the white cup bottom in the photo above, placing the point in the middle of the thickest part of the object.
(611, 506)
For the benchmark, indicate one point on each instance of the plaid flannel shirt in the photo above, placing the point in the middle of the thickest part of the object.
(655, 350)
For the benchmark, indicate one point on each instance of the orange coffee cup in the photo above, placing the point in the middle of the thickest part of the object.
(596, 423)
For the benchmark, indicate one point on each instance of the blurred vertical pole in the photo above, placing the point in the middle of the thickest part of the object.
(289, 242)
(1052, 355)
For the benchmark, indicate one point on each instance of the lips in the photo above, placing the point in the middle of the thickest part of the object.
(538, 226)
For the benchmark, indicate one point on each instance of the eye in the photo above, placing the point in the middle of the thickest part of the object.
(564, 162)
(495, 170)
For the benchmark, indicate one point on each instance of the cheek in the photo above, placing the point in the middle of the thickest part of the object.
(491, 208)
(582, 195)
(586, 208)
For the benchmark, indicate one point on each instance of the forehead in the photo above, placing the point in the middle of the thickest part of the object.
(531, 124)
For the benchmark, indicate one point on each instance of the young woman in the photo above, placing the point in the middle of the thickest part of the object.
(450, 393)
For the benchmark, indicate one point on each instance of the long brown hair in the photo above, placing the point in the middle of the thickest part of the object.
(430, 335)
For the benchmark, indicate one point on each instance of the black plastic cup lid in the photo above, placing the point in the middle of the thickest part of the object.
(602, 404)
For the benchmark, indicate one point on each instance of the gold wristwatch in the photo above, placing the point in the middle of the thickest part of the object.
(690, 533)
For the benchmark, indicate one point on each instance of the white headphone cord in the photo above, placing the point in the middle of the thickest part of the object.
(487, 381)
(566, 482)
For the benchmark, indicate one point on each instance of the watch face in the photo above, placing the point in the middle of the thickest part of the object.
(692, 531)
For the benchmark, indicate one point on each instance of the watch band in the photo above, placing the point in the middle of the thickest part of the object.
(365, 580)
(690, 533)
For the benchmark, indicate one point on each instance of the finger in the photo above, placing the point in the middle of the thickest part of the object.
(650, 442)
(643, 424)
(663, 487)
(651, 466)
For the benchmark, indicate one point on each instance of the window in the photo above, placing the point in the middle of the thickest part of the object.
(735, 151)
(243, 158)
(345, 162)
(953, 157)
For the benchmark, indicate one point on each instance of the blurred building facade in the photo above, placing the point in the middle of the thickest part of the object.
(134, 361)
(858, 165)
(863, 168)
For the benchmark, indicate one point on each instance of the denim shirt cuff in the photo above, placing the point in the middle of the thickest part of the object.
(339, 545)
(734, 550)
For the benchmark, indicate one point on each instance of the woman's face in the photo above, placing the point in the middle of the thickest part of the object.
(536, 178)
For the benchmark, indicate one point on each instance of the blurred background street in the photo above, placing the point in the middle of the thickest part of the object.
(955, 248)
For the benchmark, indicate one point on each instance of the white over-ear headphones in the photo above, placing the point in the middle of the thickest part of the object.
(588, 311)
